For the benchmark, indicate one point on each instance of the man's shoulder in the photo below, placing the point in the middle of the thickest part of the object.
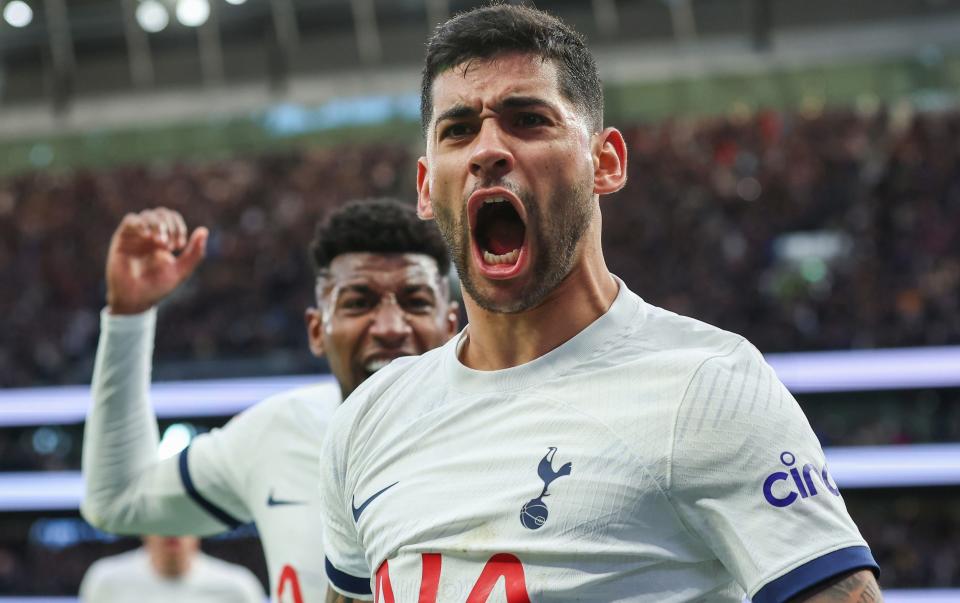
(308, 404)
(233, 580)
(123, 566)
(319, 399)
(223, 571)
(703, 352)
(270, 427)
(666, 344)
(666, 330)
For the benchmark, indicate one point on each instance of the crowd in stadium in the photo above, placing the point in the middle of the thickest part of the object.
(712, 224)
(700, 228)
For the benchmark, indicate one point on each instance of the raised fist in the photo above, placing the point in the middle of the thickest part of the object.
(141, 266)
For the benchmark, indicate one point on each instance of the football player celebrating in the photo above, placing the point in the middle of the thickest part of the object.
(381, 293)
(573, 443)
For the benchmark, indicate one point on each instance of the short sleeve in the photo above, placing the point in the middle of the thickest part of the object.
(346, 566)
(214, 467)
(749, 478)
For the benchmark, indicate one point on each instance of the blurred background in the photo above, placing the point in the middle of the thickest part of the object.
(794, 177)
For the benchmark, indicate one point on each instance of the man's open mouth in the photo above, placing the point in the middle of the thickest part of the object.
(374, 363)
(499, 231)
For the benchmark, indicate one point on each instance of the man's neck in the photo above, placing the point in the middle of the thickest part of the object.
(497, 341)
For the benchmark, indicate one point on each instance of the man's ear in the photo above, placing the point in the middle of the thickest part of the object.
(609, 162)
(314, 322)
(424, 205)
(453, 319)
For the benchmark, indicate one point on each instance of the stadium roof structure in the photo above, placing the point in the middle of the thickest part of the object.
(93, 63)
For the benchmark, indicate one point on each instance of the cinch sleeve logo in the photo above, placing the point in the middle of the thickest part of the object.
(803, 483)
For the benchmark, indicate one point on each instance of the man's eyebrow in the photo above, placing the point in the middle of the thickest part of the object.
(524, 102)
(355, 288)
(461, 111)
(418, 287)
(458, 111)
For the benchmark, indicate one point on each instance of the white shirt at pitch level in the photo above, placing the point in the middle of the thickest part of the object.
(130, 577)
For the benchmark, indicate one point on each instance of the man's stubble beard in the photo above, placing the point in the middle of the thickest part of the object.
(556, 240)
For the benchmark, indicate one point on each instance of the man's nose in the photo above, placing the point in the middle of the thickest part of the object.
(390, 324)
(492, 157)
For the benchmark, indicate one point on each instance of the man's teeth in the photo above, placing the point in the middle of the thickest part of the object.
(507, 258)
(375, 365)
(490, 200)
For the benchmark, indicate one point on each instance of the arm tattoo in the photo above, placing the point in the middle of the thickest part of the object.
(859, 587)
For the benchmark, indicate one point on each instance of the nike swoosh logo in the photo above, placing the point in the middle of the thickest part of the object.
(358, 510)
(278, 502)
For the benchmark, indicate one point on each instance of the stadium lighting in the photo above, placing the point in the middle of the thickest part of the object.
(18, 13)
(236, 2)
(152, 16)
(193, 13)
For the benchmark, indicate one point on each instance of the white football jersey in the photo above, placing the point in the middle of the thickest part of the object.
(261, 467)
(130, 577)
(650, 458)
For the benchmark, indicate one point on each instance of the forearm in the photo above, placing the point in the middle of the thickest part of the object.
(859, 587)
(128, 490)
(120, 434)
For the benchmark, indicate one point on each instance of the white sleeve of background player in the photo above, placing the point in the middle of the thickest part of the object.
(346, 566)
(91, 587)
(217, 467)
(749, 478)
(127, 489)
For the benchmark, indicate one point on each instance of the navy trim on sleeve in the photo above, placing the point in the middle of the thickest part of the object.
(231, 521)
(816, 571)
(346, 582)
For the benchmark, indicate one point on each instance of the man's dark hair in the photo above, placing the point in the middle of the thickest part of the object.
(376, 226)
(501, 28)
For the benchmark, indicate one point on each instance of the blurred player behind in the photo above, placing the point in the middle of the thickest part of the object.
(165, 569)
(381, 293)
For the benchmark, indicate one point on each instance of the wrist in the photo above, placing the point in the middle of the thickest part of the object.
(122, 308)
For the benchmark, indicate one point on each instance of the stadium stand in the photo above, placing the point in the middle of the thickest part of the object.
(732, 202)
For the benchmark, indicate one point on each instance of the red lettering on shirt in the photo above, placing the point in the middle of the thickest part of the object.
(430, 577)
(501, 565)
(383, 581)
(288, 575)
(510, 569)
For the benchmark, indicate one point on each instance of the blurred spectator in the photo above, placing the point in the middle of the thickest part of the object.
(169, 568)
(799, 231)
